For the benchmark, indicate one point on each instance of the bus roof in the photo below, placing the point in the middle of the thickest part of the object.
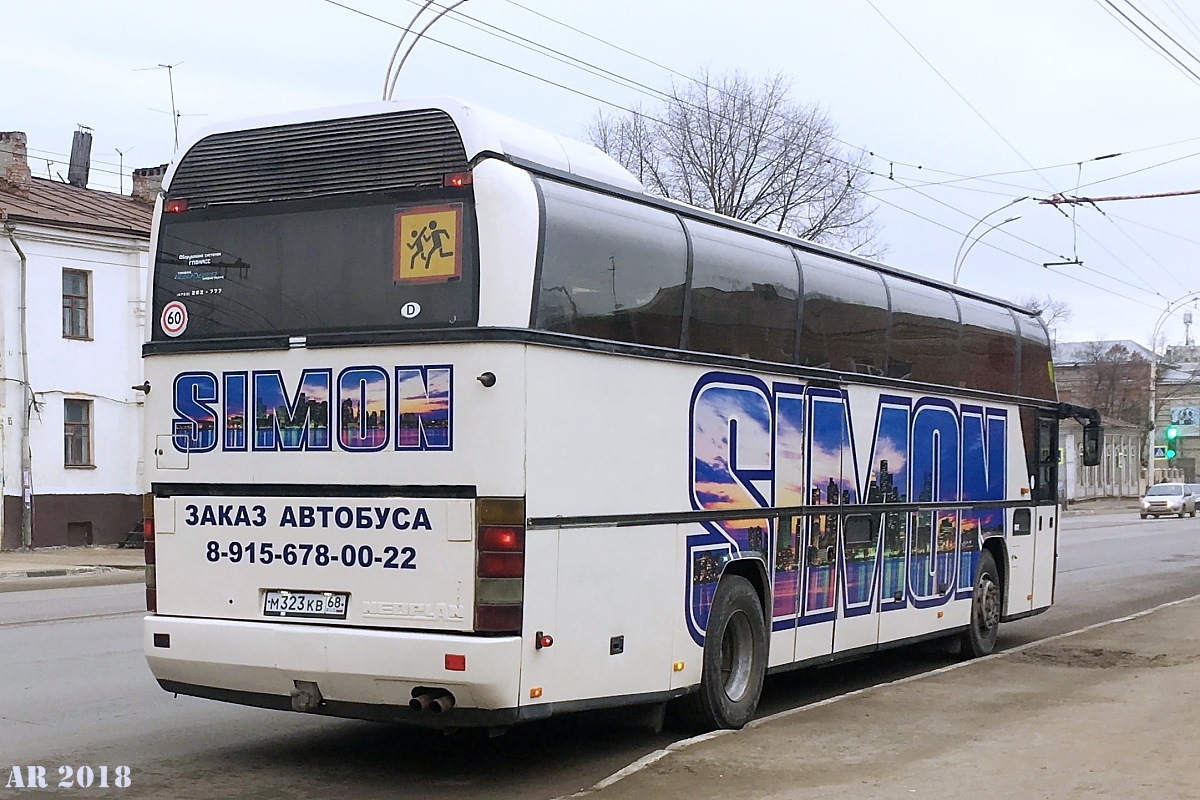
(484, 131)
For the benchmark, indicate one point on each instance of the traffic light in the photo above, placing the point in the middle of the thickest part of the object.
(1172, 433)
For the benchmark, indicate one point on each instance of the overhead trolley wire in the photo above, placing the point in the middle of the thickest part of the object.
(620, 107)
(960, 95)
(1075, 278)
(1149, 41)
(1012, 147)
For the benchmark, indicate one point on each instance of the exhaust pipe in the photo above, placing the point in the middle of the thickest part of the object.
(306, 696)
(436, 701)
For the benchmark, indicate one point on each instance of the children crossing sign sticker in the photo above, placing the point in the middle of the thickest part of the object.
(429, 244)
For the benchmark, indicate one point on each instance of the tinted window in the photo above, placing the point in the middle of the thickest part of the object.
(610, 269)
(744, 296)
(989, 347)
(315, 267)
(1035, 359)
(923, 339)
(844, 318)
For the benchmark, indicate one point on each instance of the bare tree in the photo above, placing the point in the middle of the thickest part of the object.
(745, 149)
(1114, 380)
(1053, 312)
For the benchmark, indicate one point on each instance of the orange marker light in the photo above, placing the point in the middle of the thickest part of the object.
(678, 667)
(535, 693)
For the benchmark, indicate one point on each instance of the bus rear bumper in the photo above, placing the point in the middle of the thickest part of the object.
(364, 674)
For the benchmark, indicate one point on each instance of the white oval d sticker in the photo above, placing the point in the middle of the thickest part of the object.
(410, 310)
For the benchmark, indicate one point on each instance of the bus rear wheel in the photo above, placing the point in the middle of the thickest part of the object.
(735, 659)
(980, 637)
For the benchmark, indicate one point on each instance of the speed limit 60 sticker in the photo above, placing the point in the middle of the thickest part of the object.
(174, 318)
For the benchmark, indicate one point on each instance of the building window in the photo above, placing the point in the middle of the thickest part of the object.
(77, 430)
(75, 304)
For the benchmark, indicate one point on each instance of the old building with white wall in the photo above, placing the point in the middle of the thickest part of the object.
(72, 305)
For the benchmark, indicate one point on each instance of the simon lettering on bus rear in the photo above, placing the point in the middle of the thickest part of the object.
(788, 444)
(365, 409)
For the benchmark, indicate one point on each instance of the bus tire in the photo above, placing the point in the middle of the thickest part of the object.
(735, 659)
(980, 636)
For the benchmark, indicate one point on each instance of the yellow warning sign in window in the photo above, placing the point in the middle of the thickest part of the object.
(429, 243)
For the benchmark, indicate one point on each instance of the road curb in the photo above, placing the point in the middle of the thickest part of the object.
(59, 572)
(651, 758)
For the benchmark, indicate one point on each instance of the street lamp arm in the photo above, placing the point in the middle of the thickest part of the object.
(1172, 306)
(387, 77)
(958, 264)
(417, 38)
(959, 256)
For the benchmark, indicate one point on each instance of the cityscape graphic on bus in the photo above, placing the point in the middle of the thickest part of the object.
(797, 448)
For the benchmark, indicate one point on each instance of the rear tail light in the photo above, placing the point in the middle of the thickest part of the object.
(148, 534)
(499, 564)
(453, 180)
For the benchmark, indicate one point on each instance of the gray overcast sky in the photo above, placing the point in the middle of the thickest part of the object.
(1060, 82)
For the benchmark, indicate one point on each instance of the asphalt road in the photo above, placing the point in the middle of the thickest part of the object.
(75, 690)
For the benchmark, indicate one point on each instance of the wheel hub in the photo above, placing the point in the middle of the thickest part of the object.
(736, 654)
(989, 603)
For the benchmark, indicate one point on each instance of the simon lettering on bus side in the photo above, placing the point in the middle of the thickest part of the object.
(754, 445)
(367, 408)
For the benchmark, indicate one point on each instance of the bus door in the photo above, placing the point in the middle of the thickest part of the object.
(1034, 527)
(1045, 522)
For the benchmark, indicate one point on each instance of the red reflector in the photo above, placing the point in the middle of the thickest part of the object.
(148, 549)
(456, 663)
(148, 528)
(497, 538)
(175, 206)
(545, 641)
(456, 179)
(498, 619)
(501, 565)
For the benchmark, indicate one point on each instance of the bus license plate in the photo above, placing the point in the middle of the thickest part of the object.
(309, 605)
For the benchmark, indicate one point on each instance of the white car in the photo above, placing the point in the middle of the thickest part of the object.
(1168, 498)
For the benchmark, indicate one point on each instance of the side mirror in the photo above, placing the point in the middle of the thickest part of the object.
(1092, 436)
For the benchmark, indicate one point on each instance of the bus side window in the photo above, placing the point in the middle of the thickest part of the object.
(989, 347)
(845, 317)
(610, 269)
(924, 335)
(1035, 359)
(745, 295)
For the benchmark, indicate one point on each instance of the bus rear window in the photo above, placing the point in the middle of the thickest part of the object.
(308, 267)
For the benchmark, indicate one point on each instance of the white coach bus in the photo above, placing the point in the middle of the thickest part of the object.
(451, 424)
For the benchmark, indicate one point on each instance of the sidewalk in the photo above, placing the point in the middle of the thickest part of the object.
(55, 561)
(1103, 505)
(1109, 712)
